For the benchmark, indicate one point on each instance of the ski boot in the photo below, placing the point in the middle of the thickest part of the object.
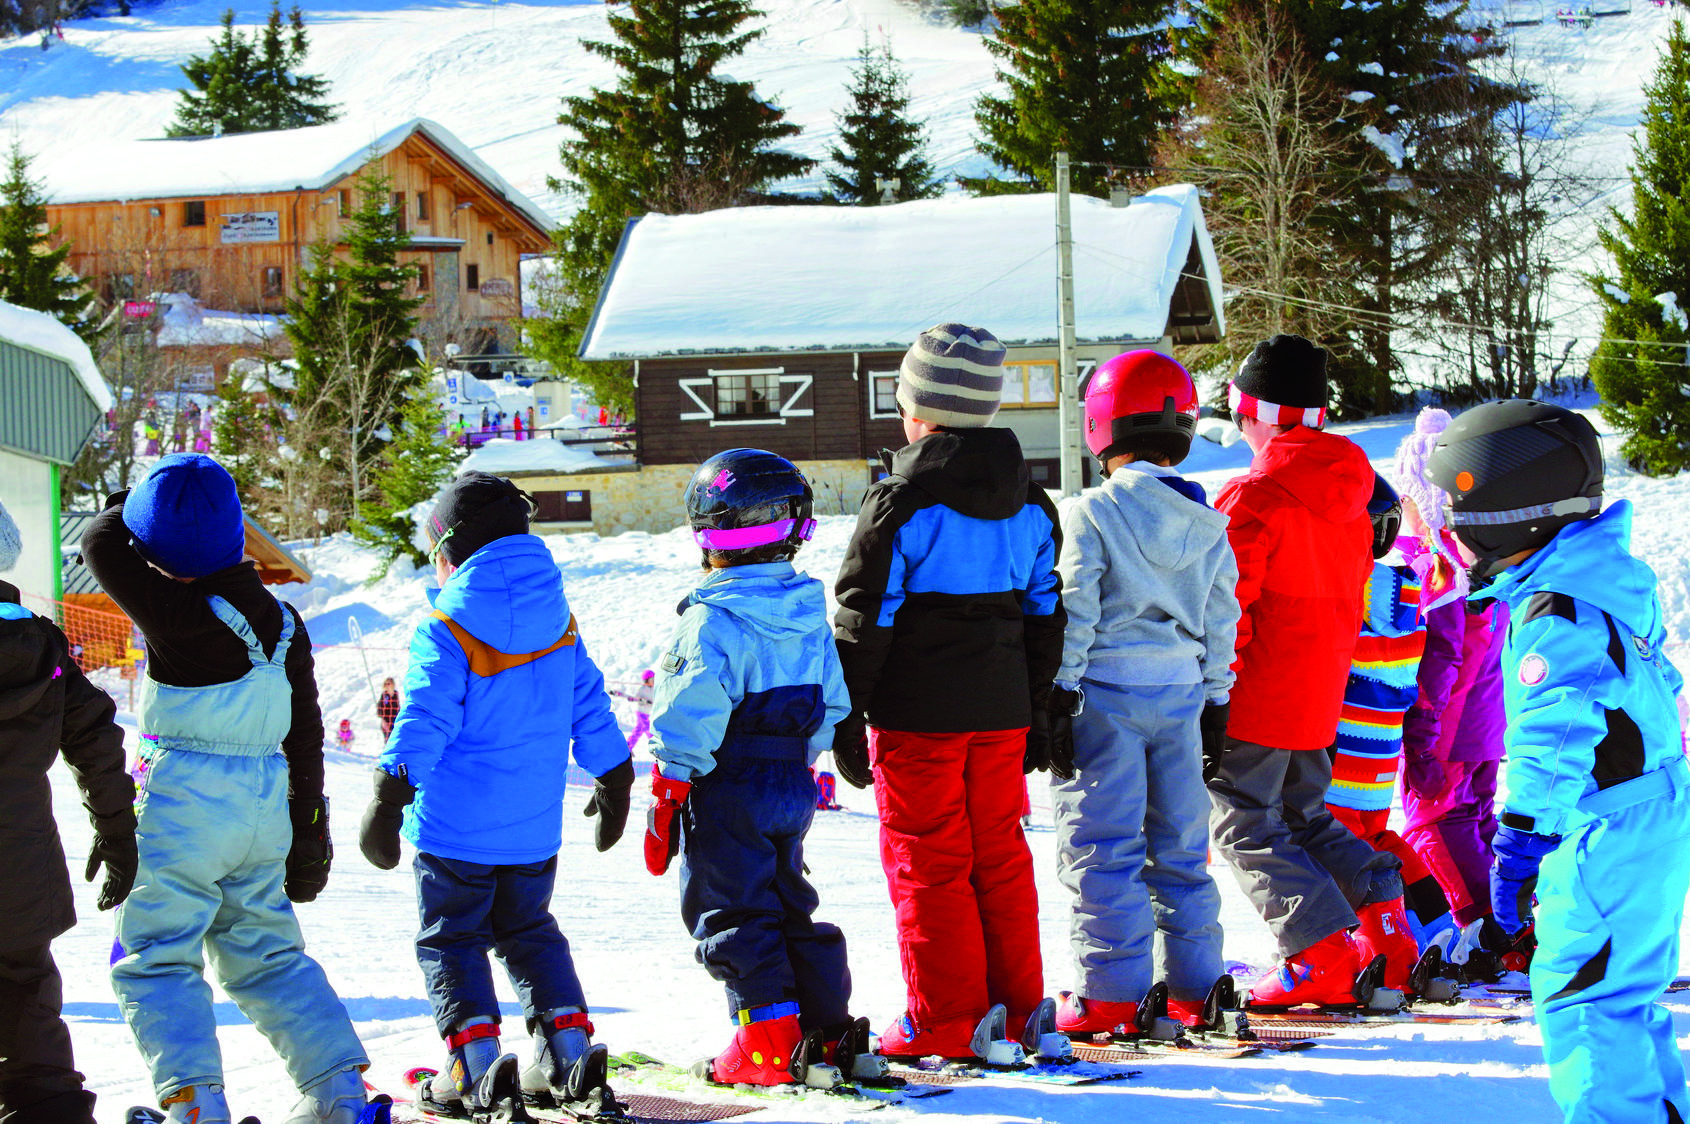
(1152, 1020)
(479, 1083)
(1219, 1012)
(1429, 980)
(1384, 931)
(191, 1104)
(1324, 974)
(952, 1038)
(339, 1098)
(1041, 1038)
(848, 1049)
(567, 1067)
(810, 1062)
(1482, 953)
(762, 1051)
(991, 1043)
(1082, 1017)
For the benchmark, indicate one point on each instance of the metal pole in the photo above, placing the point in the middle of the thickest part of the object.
(1067, 383)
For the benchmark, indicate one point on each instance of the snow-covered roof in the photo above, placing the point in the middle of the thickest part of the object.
(186, 323)
(40, 332)
(503, 457)
(872, 278)
(309, 159)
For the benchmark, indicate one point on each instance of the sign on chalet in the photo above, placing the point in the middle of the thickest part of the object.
(230, 220)
(782, 327)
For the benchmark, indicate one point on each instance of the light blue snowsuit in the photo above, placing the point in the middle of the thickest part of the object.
(1594, 756)
(213, 836)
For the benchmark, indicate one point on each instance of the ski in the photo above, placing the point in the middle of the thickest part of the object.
(1342, 1017)
(146, 1114)
(866, 1095)
(952, 1072)
(1120, 1050)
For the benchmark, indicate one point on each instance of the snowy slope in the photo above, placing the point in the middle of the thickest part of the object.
(646, 990)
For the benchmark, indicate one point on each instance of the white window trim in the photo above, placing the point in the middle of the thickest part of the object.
(789, 407)
(872, 377)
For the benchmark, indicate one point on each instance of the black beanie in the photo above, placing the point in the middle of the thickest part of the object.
(475, 509)
(1282, 382)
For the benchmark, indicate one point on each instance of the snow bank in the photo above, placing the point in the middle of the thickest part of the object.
(504, 457)
(186, 323)
(39, 332)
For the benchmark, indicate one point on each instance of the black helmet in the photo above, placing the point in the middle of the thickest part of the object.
(1516, 471)
(745, 498)
(1385, 509)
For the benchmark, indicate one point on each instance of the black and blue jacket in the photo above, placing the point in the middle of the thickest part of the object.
(950, 611)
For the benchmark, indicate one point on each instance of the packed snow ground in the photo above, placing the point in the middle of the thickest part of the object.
(636, 958)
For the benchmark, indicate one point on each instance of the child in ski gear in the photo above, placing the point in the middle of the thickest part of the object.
(499, 686)
(1148, 579)
(47, 707)
(950, 632)
(387, 708)
(1367, 754)
(642, 699)
(343, 734)
(1453, 735)
(1300, 530)
(1597, 820)
(232, 820)
(747, 700)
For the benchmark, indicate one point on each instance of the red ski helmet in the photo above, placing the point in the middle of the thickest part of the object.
(1140, 400)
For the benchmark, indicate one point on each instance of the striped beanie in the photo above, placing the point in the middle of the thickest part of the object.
(1282, 382)
(952, 376)
(11, 545)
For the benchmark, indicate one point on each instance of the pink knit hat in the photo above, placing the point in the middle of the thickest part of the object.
(1409, 475)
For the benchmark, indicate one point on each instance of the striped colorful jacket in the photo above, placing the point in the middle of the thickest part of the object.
(1381, 688)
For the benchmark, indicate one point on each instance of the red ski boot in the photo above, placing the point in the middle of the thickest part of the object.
(952, 1038)
(1324, 973)
(1384, 932)
(762, 1049)
(1080, 1017)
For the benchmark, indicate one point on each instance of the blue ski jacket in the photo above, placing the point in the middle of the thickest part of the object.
(1589, 690)
(753, 670)
(499, 684)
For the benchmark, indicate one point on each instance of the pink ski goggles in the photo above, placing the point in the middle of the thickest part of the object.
(744, 538)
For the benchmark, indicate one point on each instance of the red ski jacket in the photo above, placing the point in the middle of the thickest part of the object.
(1300, 531)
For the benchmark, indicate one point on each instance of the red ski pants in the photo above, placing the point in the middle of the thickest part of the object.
(959, 872)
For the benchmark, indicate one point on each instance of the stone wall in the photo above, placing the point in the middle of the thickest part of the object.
(652, 497)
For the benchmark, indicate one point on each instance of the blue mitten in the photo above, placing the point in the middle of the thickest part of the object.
(1513, 879)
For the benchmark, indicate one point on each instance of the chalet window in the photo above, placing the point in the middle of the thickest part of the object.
(574, 505)
(883, 394)
(422, 278)
(422, 206)
(1046, 472)
(1029, 384)
(489, 237)
(472, 278)
(193, 212)
(398, 203)
(185, 281)
(272, 280)
(748, 395)
(345, 202)
(122, 286)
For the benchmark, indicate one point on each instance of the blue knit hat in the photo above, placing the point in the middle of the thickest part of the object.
(185, 517)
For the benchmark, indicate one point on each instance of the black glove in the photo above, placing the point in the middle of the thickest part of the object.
(114, 846)
(610, 804)
(850, 752)
(378, 835)
(1061, 707)
(312, 850)
(1037, 754)
(1212, 725)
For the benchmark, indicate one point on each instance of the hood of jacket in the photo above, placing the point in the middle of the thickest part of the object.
(1592, 561)
(1327, 474)
(976, 472)
(771, 598)
(1172, 529)
(509, 595)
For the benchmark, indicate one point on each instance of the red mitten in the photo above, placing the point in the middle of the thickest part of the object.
(662, 840)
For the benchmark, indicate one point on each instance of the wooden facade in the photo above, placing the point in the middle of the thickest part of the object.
(246, 252)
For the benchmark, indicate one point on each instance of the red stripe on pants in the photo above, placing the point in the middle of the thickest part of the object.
(959, 872)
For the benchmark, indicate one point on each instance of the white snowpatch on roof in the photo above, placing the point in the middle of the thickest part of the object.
(872, 278)
(309, 159)
(503, 457)
(186, 323)
(39, 332)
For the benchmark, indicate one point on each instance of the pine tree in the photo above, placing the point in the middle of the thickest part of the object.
(248, 85)
(673, 136)
(412, 469)
(1087, 77)
(32, 269)
(1642, 365)
(878, 141)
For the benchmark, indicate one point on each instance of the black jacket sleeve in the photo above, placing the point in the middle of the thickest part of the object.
(1042, 632)
(92, 745)
(304, 743)
(146, 596)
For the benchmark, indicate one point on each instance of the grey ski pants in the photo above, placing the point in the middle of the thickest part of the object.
(1132, 845)
(1305, 872)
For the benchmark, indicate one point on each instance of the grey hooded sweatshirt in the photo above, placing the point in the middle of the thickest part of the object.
(1148, 580)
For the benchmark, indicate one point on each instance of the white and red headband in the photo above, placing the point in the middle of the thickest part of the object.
(1273, 414)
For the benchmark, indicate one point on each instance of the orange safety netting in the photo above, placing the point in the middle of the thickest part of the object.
(100, 636)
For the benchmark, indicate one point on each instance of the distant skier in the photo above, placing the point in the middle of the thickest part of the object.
(642, 700)
(48, 708)
(1597, 820)
(749, 695)
(387, 708)
(343, 735)
(500, 687)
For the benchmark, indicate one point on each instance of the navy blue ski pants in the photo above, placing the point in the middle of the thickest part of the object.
(469, 909)
(744, 896)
